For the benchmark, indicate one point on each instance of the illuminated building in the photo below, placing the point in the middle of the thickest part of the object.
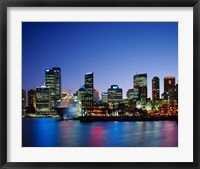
(53, 81)
(135, 94)
(43, 99)
(31, 101)
(140, 84)
(89, 88)
(169, 82)
(130, 94)
(96, 95)
(104, 97)
(80, 93)
(155, 89)
(99, 109)
(173, 92)
(23, 101)
(114, 94)
(126, 103)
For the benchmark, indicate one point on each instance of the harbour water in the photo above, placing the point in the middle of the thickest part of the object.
(53, 132)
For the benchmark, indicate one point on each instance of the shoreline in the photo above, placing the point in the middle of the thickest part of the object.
(126, 118)
(111, 118)
(40, 116)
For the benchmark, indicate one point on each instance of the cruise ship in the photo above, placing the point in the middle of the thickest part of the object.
(68, 107)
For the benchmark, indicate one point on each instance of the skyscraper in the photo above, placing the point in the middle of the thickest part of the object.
(104, 97)
(115, 94)
(140, 85)
(31, 101)
(155, 89)
(53, 81)
(43, 102)
(89, 89)
(173, 93)
(169, 82)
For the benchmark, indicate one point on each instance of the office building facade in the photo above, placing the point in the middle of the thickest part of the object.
(43, 99)
(31, 101)
(155, 88)
(115, 94)
(104, 97)
(53, 81)
(173, 93)
(169, 82)
(81, 93)
(89, 90)
(140, 86)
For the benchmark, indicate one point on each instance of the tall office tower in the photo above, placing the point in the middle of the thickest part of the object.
(135, 94)
(155, 89)
(53, 81)
(43, 102)
(173, 93)
(96, 95)
(115, 94)
(89, 88)
(130, 94)
(23, 101)
(140, 87)
(169, 82)
(104, 97)
(31, 101)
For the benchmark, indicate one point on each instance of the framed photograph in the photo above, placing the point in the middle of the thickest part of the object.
(93, 83)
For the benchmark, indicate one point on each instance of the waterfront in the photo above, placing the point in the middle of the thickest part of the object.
(53, 132)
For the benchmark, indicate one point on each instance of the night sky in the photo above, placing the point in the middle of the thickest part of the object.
(114, 51)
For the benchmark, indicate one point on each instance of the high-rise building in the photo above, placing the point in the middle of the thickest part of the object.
(135, 94)
(169, 82)
(173, 93)
(96, 95)
(155, 89)
(31, 101)
(81, 93)
(53, 81)
(89, 88)
(104, 97)
(43, 99)
(23, 101)
(130, 94)
(115, 94)
(140, 84)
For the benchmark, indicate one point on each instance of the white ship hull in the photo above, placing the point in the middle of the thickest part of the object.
(68, 110)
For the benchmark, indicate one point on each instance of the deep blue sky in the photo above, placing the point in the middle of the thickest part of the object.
(114, 51)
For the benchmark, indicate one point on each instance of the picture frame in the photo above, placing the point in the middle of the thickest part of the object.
(97, 3)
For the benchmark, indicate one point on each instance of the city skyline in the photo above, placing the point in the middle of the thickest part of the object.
(73, 47)
(100, 93)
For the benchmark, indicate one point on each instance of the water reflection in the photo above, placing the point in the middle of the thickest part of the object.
(49, 132)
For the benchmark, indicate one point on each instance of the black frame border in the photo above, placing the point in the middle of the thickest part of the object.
(98, 3)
